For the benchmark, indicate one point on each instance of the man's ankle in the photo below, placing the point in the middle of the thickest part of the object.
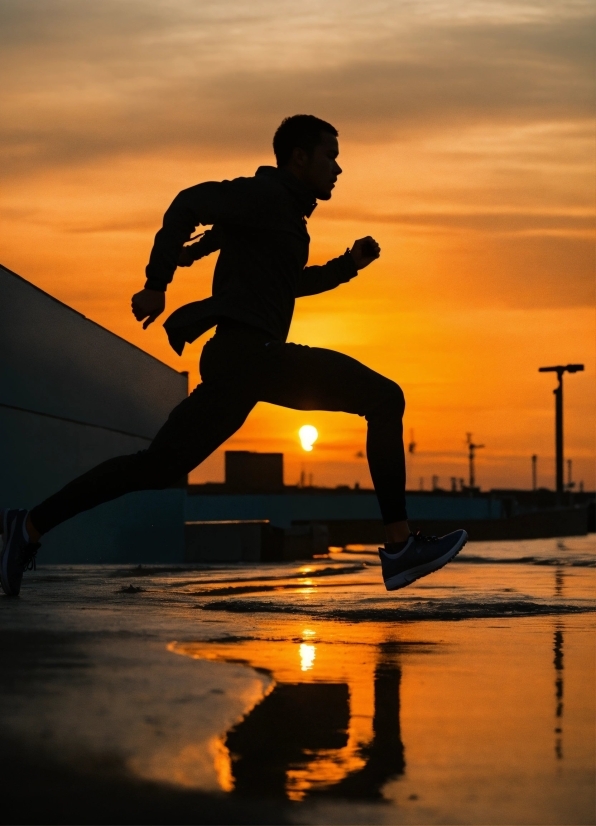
(32, 532)
(397, 532)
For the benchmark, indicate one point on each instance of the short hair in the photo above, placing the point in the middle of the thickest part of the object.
(299, 131)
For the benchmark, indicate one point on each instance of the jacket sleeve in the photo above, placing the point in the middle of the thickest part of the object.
(209, 203)
(315, 280)
(210, 242)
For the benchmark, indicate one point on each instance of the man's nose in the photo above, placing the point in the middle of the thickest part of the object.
(338, 169)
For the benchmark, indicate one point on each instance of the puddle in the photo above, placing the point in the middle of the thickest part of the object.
(465, 698)
(329, 723)
(426, 714)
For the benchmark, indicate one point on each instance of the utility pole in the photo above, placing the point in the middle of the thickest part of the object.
(559, 369)
(534, 472)
(472, 448)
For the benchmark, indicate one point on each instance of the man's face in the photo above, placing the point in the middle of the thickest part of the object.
(321, 169)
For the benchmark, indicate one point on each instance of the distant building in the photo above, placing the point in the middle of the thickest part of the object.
(72, 394)
(251, 472)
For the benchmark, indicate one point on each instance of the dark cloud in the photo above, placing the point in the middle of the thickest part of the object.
(86, 80)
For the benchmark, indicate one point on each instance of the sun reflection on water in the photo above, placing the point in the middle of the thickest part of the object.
(307, 656)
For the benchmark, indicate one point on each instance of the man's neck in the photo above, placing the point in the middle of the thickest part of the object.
(301, 189)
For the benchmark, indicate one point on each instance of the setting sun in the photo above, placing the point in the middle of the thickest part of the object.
(308, 436)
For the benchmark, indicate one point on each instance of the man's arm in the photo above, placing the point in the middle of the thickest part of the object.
(210, 242)
(316, 280)
(208, 203)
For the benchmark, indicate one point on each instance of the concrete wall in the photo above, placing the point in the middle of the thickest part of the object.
(283, 509)
(72, 394)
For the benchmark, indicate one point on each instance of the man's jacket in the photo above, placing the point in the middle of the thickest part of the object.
(259, 227)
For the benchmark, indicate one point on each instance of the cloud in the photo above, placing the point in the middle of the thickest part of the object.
(525, 272)
(98, 79)
(482, 222)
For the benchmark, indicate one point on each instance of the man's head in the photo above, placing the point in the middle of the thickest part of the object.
(307, 147)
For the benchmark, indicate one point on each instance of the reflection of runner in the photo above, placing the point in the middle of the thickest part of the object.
(384, 755)
(298, 726)
(259, 227)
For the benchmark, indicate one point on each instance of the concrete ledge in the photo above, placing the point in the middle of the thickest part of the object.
(255, 540)
(537, 525)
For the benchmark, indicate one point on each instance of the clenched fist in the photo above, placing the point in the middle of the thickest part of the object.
(148, 304)
(365, 251)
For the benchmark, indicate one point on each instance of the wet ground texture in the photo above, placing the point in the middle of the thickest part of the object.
(303, 693)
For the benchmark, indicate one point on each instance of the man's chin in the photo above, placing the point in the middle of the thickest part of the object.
(323, 195)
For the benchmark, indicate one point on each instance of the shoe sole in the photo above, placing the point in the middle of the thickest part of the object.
(6, 537)
(394, 583)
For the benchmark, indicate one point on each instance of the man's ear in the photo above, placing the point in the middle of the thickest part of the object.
(299, 158)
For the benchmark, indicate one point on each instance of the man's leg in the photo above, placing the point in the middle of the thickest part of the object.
(312, 378)
(194, 429)
(209, 416)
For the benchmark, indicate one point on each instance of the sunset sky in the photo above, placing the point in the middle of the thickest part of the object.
(467, 141)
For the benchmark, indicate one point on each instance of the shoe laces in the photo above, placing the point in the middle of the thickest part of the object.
(27, 557)
(423, 539)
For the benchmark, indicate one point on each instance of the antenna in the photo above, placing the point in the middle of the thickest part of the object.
(472, 448)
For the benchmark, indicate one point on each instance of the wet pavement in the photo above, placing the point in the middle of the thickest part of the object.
(304, 693)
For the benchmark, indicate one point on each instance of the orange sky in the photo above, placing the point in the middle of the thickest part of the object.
(466, 138)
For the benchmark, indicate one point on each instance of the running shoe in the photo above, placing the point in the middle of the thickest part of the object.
(18, 554)
(420, 556)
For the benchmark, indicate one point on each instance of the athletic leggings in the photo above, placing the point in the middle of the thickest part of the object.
(239, 367)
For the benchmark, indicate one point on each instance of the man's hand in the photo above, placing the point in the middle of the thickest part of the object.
(365, 251)
(148, 304)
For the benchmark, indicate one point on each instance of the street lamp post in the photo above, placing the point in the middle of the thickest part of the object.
(559, 369)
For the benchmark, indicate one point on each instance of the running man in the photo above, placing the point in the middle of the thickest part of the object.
(259, 226)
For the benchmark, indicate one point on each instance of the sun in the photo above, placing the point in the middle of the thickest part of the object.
(308, 436)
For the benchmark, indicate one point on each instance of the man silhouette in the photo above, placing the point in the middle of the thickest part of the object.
(259, 227)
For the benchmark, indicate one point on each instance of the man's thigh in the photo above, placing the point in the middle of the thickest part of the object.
(204, 420)
(313, 378)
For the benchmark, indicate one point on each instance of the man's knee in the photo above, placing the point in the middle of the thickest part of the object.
(390, 398)
(396, 397)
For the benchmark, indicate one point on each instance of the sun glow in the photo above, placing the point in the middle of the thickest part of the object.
(308, 436)
(307, 656)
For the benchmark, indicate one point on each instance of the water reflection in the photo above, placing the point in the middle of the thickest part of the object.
(291, 727)
(383, 757)
(303, 739)
(558, 664)
(326, 709)
(307, 656)
(330, 726)
(559, 581)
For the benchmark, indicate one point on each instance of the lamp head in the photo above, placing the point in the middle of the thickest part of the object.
(562, 368)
